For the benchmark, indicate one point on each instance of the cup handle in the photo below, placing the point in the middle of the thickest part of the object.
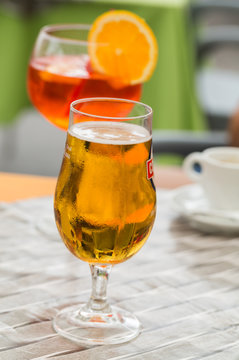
(192, 165)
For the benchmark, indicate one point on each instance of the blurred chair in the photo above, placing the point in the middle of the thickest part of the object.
(31, 146)
(215, 24)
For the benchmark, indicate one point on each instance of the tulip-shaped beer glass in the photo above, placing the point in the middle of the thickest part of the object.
(104, 207)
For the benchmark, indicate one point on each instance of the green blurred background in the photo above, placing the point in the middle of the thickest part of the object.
(170, 91)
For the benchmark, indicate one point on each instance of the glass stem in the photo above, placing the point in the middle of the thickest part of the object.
(98, 300)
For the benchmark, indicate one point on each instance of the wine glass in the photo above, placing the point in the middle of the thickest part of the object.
(60, 72)
(104, 207)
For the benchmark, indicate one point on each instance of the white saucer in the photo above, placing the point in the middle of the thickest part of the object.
(190, 202)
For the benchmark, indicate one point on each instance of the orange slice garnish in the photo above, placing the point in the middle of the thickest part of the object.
(123, 47)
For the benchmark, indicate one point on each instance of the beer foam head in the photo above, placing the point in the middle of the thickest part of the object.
(108, 132)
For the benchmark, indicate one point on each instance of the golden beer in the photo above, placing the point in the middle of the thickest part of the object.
(105, 197)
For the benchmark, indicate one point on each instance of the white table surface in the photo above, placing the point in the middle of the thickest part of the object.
(183, 286)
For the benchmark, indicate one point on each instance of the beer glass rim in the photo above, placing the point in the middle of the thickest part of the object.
(137, 117)
(47, 29)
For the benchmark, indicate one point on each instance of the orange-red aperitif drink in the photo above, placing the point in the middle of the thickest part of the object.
(57, 80)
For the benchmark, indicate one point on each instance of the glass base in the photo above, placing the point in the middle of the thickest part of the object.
(89, 328)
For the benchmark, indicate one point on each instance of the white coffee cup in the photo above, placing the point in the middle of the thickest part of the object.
(217, 170)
